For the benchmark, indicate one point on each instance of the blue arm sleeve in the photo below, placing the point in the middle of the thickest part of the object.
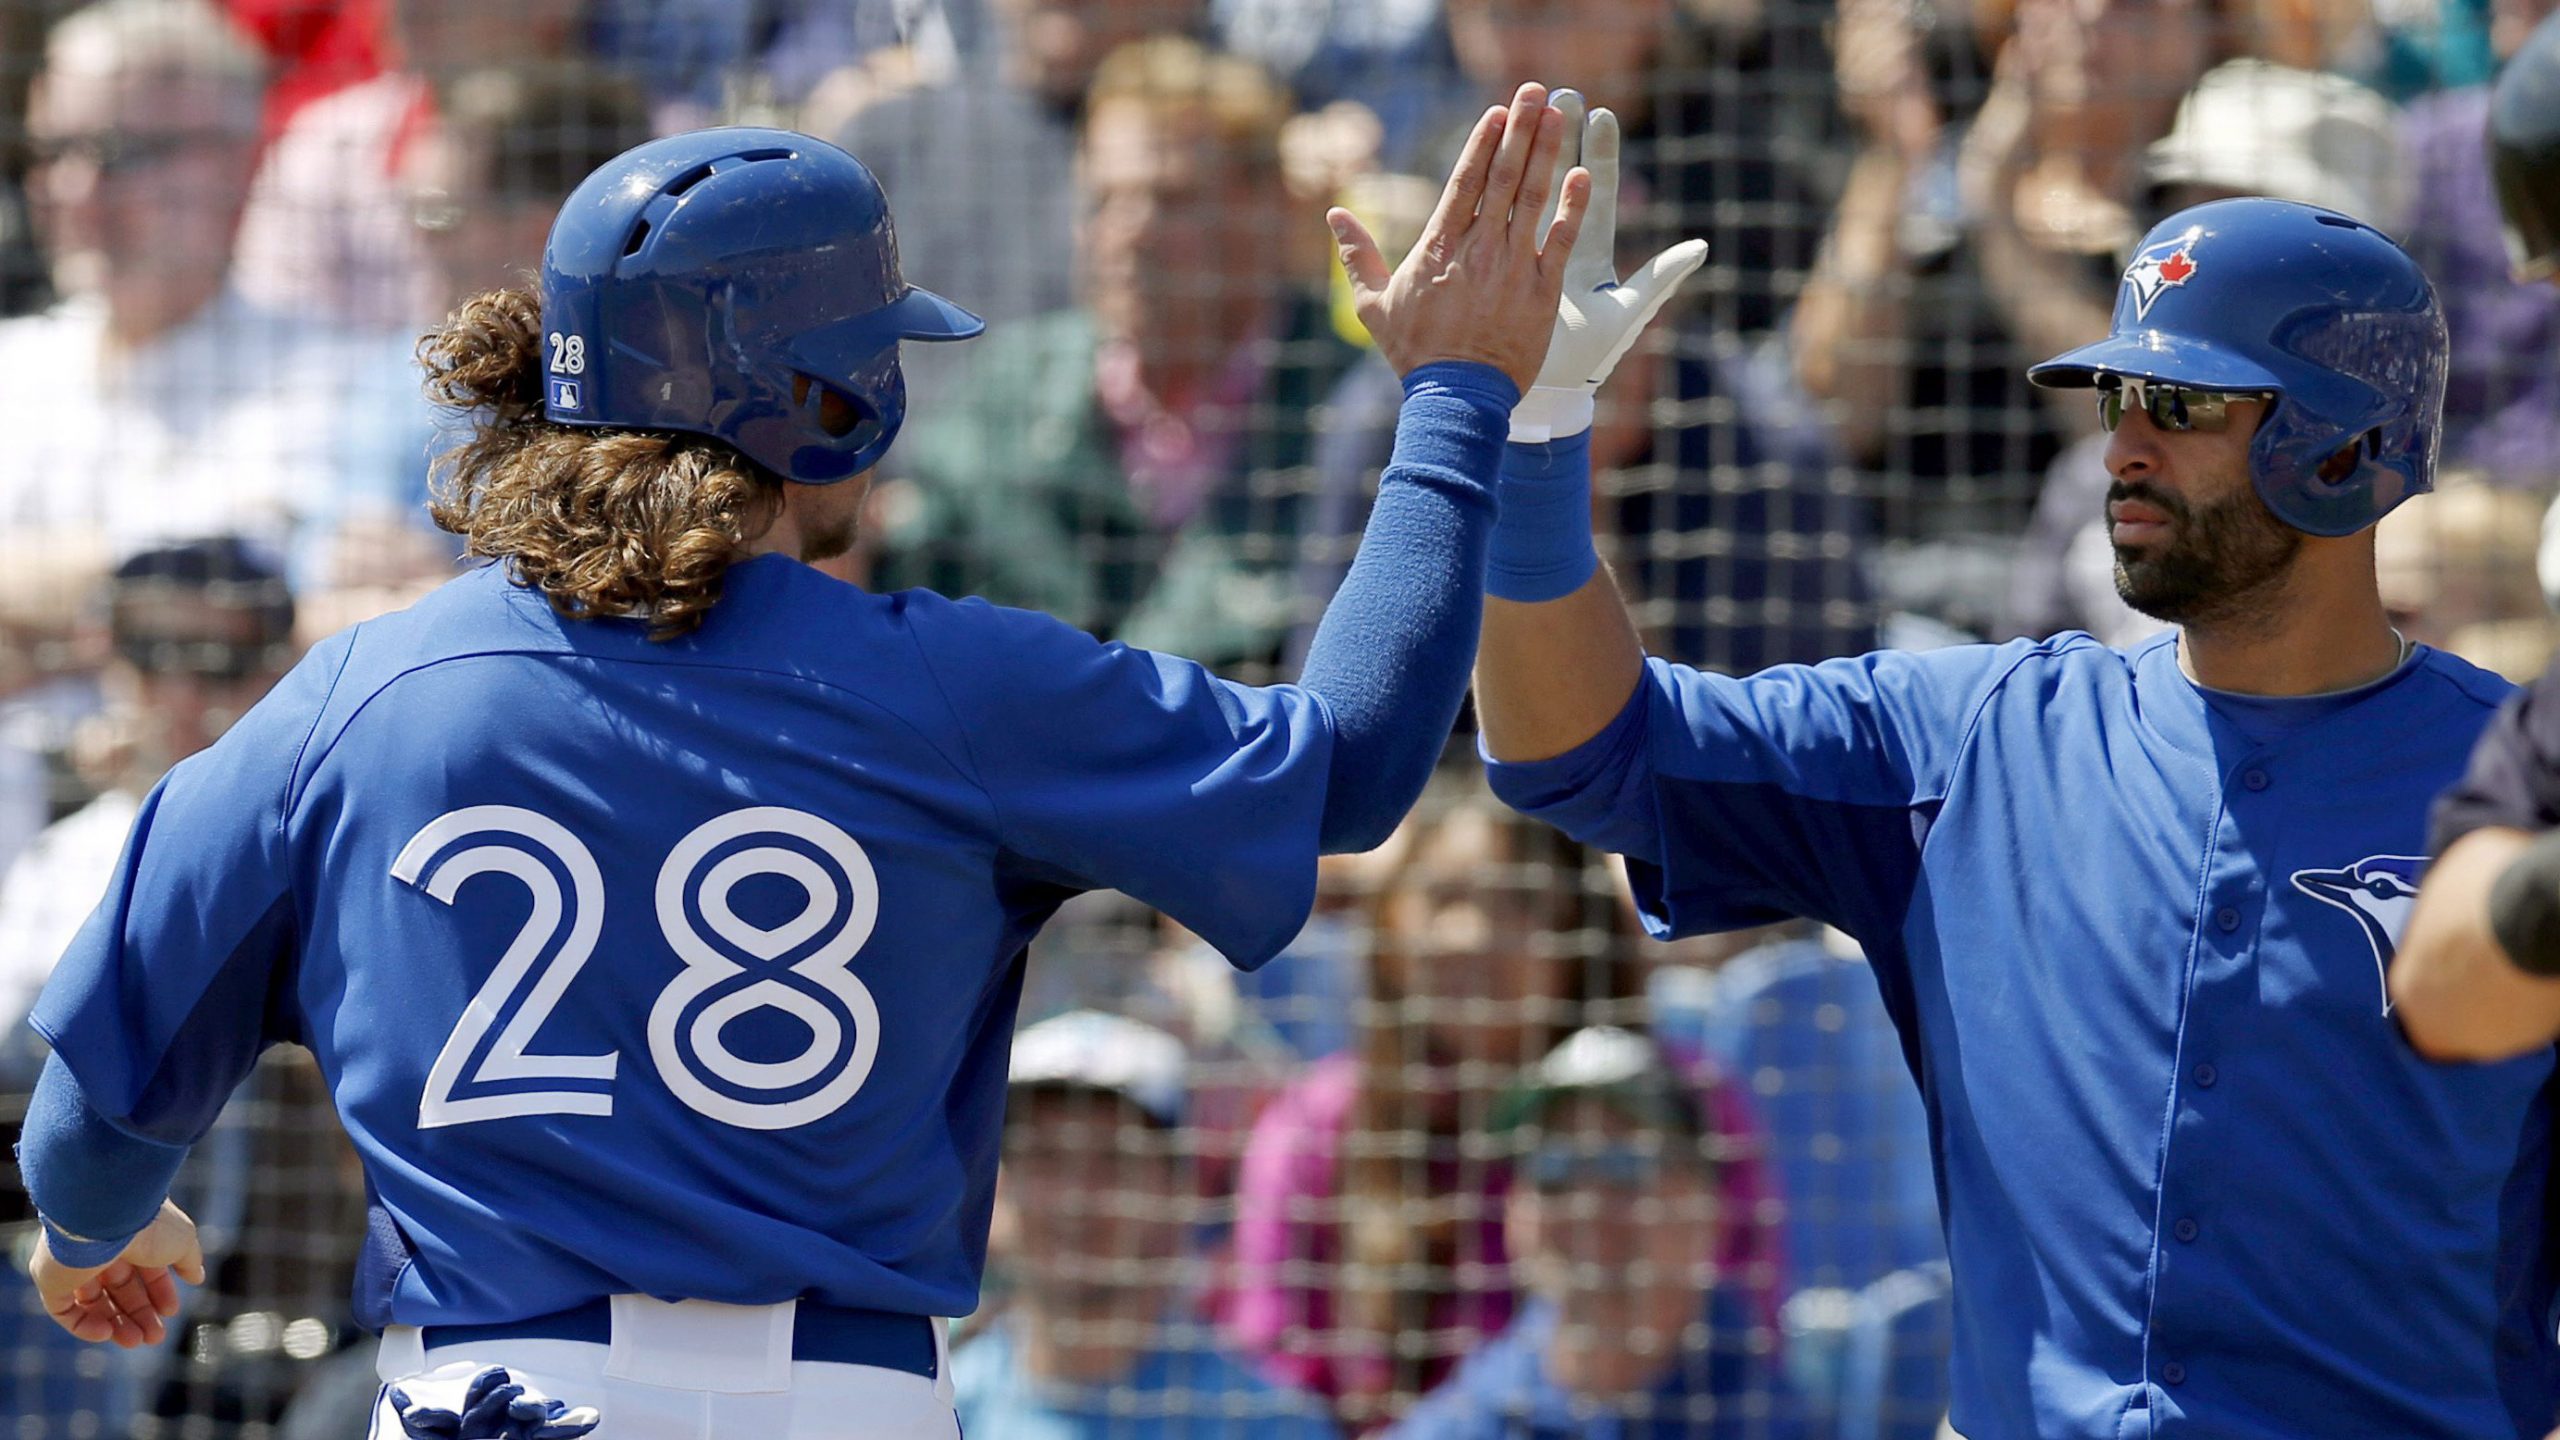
(1542, 548)
(1801, 791)
(95, 1185)
(1390, 659)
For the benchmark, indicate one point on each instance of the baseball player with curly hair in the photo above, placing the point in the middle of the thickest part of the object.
(656, 904)
(2131, 910)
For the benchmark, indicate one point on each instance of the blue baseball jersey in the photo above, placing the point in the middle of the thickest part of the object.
(681, 968)
(2193, 1180)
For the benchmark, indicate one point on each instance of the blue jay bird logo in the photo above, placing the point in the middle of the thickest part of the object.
(2379, 891)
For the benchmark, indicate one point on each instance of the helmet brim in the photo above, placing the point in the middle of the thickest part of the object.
(922, 315)
(847, 346)
(2156, 355)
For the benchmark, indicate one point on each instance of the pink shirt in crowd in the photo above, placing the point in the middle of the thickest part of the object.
(1288, 1237)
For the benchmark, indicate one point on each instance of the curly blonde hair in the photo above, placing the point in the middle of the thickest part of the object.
(626, 524)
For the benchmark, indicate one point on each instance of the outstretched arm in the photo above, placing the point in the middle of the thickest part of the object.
(1465, 320)
(1560, 656)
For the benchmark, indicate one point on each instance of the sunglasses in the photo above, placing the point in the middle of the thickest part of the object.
(2171, 407)
(124, 152)
(1627, 1165)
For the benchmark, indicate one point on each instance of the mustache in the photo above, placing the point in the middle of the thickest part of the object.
(2151, 495)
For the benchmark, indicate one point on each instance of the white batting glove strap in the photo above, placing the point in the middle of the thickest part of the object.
(1550, 412)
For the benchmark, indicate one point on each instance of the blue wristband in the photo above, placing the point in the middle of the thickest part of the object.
(1542, 547)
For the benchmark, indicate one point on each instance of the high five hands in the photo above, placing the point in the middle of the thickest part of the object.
(1517, 267)
(1483, 281)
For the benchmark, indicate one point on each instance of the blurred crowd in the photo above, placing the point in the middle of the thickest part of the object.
(1471, 1158)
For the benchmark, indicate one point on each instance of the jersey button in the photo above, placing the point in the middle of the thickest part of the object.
(2187, 1230)
(2255, 779)
(2174, 1373)
(2227, 918)
(2206, 1075)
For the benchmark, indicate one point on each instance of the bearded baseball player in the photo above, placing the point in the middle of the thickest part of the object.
(656, 904)
(2131, 910)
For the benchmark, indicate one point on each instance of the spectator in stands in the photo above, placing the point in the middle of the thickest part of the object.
(1097, 1339)
(511, 140)
(22, 278)
(2248, 128)
(1629, 1325)
(2457, 572)
(1390, 57)
(1369, 1252)
(1137, 465)
(328, 230)
(2502, 389)
(154, 401)
(980, 162)
(198, 632)
(1369, 1247)
(1949, 263)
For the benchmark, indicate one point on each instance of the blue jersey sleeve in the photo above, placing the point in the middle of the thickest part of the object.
(1109, 767)
(183, 974)
(1800, 791)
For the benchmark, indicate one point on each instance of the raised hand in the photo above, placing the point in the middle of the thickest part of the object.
(1482, 282)
(1598, 317)
(127, 1301)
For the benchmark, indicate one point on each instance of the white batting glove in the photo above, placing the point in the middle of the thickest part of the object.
(1600, 317)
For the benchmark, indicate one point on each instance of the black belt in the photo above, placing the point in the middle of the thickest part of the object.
(828, 1334)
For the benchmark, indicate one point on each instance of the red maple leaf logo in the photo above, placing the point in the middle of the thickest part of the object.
(2176, 269)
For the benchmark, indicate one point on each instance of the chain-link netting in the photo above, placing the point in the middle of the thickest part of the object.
(1473, 1156)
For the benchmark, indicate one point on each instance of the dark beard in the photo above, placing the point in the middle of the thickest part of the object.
(2220, 563)
(827, 543)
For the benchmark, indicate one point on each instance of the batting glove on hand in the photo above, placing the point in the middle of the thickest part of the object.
(490, 1405)
(1599, 317)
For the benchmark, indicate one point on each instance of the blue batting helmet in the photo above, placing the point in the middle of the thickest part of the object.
(720, 283)
(2320, 313)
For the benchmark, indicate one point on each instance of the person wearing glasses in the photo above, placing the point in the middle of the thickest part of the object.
(1616, 1217)
(156, 402)
(2130, 909)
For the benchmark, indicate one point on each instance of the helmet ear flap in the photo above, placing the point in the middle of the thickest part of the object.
(828, 409)
(848, 421)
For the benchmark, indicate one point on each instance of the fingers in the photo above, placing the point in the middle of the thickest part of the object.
(1361, 258)
(1565, 235)
(1521, 132)
(1568, 103)
(1548, 163)
(94, 1314)
(1600, 147)
(1465, 190)
(190, 1266)
(128, 1289)
(1643, 297)
(1663, 275)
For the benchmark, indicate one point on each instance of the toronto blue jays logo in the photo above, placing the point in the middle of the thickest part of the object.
(2157, 268)
(2379, 891)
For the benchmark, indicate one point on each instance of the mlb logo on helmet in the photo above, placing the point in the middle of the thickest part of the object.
(564, 395)
(2158, 267)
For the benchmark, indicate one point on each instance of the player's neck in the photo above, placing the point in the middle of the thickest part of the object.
(2319, 638)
